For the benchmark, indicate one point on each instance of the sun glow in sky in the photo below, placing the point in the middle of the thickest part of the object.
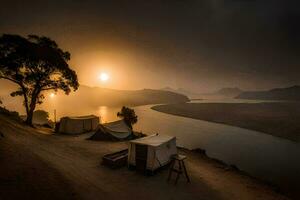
(52, 95)
(104, 77)
(197, 45)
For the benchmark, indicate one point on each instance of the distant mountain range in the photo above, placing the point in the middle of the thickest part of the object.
(229, 91)
(181, 91)
(110, 97)
(93, 97)
(289, 93)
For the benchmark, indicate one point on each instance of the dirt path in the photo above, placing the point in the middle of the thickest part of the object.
(23, 175)
(77, 162)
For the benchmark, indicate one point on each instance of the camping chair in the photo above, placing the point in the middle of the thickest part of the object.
(177, 158)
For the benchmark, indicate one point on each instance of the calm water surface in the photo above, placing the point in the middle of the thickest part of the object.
(261, 155)
(270, 158)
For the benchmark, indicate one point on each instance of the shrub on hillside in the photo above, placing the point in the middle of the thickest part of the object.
(40, 117)
(11, 114)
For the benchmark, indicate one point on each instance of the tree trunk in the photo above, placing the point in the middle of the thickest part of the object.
(29, 117)
(30, 113)
(31, 108)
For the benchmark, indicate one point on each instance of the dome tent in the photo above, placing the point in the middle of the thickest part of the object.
(117, 130)
(77, 125)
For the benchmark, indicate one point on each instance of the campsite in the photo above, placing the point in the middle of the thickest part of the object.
(149, 100)
(69, 167)
(145, 153)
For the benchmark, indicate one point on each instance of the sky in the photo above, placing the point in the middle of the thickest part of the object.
(200, 45)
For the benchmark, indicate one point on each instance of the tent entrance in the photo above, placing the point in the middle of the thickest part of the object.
(141, 152)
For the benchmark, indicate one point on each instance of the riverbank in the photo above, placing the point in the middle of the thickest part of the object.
(276, 118)
(76, 163)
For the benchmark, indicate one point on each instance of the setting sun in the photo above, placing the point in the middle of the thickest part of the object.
(52, 95)
(104, 77)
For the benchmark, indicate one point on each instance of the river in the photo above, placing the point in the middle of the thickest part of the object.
(264, 156)
(270, 158)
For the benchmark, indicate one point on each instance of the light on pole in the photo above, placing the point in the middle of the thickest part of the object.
(54, 116)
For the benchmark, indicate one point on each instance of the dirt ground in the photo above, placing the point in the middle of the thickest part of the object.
(38, 165)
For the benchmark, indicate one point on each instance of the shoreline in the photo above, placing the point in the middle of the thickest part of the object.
(210, 179)
(234, 168)
(257, 117)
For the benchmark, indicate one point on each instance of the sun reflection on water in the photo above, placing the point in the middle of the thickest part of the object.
(107, 114)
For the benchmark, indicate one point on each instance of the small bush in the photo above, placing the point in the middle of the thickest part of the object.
(128, 116)
(40, 117)
(11, 114)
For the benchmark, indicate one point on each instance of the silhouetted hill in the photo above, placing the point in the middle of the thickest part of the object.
(289, 93)
(181, 91)
(223, 93)
(229, 91)
(95, 96)
(92, 97)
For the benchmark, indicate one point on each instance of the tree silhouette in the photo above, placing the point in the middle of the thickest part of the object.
(36, 64)
(128, 115)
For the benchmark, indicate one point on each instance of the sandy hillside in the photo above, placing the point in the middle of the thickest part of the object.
(39, 165)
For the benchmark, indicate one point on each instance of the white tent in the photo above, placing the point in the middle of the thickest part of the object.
(151, 152)
(117, 130)
(77, 125)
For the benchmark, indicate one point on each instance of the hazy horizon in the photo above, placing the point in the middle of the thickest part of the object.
(197, 45)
